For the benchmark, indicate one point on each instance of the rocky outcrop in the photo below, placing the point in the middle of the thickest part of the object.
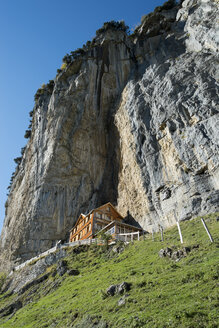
(33, 273)
(133, 121)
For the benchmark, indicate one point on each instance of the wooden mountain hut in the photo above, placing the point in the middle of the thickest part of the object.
(102, 219)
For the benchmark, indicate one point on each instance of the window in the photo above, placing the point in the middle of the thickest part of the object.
(111, 231)
(90, 227)
(99, 227)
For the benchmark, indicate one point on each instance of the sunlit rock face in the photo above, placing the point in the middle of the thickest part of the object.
(133, 121)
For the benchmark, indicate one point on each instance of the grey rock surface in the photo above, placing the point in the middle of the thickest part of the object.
(111, 290)
(133, 121)
(62, 268)
(29, 275)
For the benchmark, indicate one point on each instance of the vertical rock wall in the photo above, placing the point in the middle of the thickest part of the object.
(72, 160)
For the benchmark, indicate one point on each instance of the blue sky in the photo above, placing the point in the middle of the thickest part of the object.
(34, 37)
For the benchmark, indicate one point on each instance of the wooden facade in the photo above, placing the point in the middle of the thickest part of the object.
(104, 218)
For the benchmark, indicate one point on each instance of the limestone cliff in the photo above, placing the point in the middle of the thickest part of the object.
(133, 120)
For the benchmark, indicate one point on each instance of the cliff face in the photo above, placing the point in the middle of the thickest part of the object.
(133, 121)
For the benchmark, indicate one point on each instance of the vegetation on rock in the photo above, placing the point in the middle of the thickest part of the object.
(45, 88)
(114, 26)
(166, 6)
(27, 134)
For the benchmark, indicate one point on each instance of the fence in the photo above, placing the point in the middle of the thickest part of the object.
(126, 237)
(81, 242)
(49, 251)
(54, 249)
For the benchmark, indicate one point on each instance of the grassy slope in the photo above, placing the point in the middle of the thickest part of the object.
(163, 294)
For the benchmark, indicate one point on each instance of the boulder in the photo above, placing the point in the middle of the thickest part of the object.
(165, 252)
(118, 289)
(123, 287)
(111, 290)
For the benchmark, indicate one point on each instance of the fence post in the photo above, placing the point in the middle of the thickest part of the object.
(161, 231)
(132, 238)
(153, 234)
(180, 234)
(138, 236)
(208, 232)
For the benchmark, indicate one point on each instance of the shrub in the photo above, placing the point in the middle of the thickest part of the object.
(69, 58)
(38, 94)
(18, 160)
(166, 6)
(105, 237)
(66, 59)
(113, 25)
(64, 65)
(50, 85)
(11, 181)
(88, 44)
(27, 134)
(42, 90)
(77, 53)
(30, 125)
(23, 150)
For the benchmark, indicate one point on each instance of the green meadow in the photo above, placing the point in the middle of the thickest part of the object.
(164, 293)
